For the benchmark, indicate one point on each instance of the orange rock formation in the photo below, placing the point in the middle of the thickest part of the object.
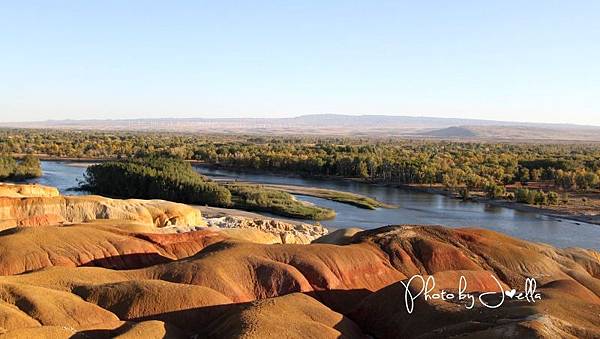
(121, 278)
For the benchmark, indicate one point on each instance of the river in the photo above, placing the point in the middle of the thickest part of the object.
(413, 207)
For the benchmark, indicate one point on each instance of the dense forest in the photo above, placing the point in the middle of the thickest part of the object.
(154, 177)
(19, 169)
(460, 166)
(163, 177)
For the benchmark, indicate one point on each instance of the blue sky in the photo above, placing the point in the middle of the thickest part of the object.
(507, 60)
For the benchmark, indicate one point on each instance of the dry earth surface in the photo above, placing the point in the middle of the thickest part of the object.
(93, 267)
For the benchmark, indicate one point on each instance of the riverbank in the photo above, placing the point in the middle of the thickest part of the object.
(569, 211)
(573, 210)
(357, 200)
(565, 211)
(46, 157)
(354, 199)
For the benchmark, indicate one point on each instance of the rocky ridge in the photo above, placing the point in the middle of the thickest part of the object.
(299, 233)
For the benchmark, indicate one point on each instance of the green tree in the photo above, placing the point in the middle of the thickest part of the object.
(540, 198)
(494, 191)
(524, 195)
(586, 180)
(552, 198)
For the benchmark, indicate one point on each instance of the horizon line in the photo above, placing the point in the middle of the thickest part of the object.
(299, 116)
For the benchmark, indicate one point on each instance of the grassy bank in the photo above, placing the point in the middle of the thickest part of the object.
(260, 198)
(353, 199)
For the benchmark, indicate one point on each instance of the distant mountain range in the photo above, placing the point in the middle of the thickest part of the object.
(340, 125)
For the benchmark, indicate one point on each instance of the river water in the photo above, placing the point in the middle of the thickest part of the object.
(413, 207)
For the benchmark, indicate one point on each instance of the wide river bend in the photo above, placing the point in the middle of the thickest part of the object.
(413, 207)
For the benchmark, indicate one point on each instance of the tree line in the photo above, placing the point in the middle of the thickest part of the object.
(154, 177)
(455, 165)
(12, 168)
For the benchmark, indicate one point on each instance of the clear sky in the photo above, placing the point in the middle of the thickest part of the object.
(534, 60)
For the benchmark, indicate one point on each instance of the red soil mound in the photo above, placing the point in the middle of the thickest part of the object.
(29, 249)
(208, 285)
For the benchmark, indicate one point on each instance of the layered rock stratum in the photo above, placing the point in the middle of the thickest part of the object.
(58, 210)
(122, 276)
(38, 205)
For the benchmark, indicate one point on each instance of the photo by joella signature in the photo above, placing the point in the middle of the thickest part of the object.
(528, 294)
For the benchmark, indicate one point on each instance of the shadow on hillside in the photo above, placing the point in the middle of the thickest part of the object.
(220, 321)
(128, 261)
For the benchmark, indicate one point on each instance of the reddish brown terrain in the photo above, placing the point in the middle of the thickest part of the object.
(115, 274)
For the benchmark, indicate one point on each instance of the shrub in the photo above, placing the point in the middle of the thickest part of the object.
(464, 193)
(552, 198)
(524, 195)
(26, 168)
(586, 180)
(540, 198)
(494, 191)
(528, 196)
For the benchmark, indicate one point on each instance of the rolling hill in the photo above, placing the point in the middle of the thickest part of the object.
(339, 125)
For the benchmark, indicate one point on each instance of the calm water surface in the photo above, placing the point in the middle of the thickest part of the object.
(414, 207)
